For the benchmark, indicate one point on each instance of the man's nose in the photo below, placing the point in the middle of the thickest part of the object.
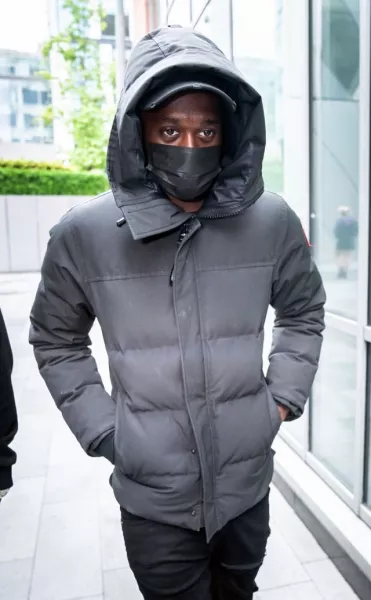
(189, 140)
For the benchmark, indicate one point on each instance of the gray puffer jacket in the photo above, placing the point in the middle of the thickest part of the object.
(192, 416)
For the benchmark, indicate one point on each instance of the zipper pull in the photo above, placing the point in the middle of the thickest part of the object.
(182, 233)
(171, 277)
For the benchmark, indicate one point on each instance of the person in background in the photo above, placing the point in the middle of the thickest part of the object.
(8, 412)
(346, 232)
(181, 290)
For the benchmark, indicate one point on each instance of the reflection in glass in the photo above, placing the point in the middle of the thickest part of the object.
(334, 406)
(257, 52)
(335, 138)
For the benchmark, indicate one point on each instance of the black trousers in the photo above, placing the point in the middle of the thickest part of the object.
(170, 562)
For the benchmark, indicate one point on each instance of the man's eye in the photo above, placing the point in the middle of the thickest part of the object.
(208, 133)
(170, 132)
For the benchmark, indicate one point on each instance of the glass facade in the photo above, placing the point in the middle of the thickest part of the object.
(259, 58)
(335, 143)
(334, 406)
(305, 58)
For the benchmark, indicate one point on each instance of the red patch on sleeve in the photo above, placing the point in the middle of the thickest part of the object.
(306, 237)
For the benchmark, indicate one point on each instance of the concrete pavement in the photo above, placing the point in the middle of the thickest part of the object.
(60, 535)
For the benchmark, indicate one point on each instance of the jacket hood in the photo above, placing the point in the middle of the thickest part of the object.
(160, 56)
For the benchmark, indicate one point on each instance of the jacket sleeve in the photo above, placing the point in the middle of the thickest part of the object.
(61, 319)
(8, 412)
(298, 298)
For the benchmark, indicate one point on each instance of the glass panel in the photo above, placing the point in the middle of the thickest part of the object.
(334, 406)
(108, 26)
(13, 119)
(298, 429)
(215, 24)
(180, 13)
(30, 121)
(197, 6)
(335, 140)
(257, 52)
(46, 98)
(29, 96)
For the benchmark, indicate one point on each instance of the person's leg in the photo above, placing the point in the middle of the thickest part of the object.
(347, 260)
(340, 263)
(239, 553)
(167, 562)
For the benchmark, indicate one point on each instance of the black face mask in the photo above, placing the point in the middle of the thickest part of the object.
(185, 173)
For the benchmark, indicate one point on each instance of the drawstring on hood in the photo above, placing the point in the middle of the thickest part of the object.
(158, 57)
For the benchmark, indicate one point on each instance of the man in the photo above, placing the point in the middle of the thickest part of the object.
(181, 290)
(8, 412)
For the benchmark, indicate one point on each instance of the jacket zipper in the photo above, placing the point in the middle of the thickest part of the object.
(222, 215)
(184, 231)
(185, 228)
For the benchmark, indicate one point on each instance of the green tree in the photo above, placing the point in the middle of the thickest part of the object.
(83, 108)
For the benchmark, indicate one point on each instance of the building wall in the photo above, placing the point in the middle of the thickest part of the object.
(310, 60)
(24, 97)
(25, 222)
(28, 151)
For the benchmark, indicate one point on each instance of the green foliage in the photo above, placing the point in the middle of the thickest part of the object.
(83, 89)
(58, 182)
(32, 164)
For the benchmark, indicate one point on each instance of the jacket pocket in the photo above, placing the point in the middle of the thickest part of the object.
(274, 413)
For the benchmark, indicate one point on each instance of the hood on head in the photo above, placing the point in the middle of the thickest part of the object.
(160, 57)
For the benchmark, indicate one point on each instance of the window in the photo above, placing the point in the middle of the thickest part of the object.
(108, 28)
(35, 139)
(335, 141)
(46, 98)
(13, 119)
(34, 68)
(29, 96)
(127, 26)
(334, 406)
(30, 121)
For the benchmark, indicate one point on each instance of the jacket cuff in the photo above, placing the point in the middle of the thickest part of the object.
(294, 412)
(106, 447)
(6, 480)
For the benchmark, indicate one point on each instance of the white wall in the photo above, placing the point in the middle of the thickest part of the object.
(28, 151)
(25, 222)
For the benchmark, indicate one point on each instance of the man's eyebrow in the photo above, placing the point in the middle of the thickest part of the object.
(213, 121)
(177, 120)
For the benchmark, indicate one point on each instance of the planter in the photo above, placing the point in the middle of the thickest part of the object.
(25, 222)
